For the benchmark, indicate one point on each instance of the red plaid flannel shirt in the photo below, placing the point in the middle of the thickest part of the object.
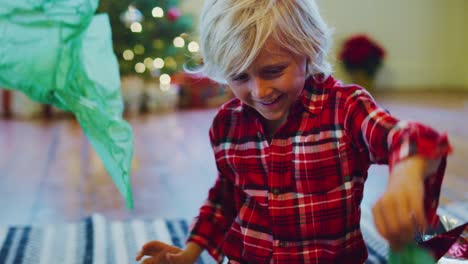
(297, 198)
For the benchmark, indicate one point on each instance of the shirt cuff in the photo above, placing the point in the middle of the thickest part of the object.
(207, 236)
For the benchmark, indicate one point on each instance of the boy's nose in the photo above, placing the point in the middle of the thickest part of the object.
(260, 89)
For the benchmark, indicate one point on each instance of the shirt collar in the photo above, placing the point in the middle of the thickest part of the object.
(315, 93)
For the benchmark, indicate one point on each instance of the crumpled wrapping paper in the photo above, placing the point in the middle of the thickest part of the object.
(60, 53)
(445, 243)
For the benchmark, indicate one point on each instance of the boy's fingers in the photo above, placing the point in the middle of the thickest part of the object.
(418, 215)
(173, 255)
(139, 256)
(386, 218)
(388, 209)
(405, 222)
(153, 248)
(153, 245)
(149, 261)
(379, 225)
(169, 257)
(162, 256)
(379, 220)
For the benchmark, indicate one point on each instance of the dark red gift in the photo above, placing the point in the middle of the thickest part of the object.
(447, 242)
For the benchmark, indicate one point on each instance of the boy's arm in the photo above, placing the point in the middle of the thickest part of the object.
(218, 212)
(214, 220)
(193, 250)
(414, 152)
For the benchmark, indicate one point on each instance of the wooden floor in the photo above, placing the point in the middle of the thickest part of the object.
(50, 174)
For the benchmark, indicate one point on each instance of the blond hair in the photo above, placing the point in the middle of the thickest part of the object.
(232, 33)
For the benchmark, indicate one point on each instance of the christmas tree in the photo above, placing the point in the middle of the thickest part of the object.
(151, 38)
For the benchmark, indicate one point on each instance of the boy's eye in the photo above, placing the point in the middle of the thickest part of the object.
(241, 77)
(273, 72)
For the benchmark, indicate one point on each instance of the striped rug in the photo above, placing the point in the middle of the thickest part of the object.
(96, 240)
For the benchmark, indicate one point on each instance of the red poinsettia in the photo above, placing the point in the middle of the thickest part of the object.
(359, 52)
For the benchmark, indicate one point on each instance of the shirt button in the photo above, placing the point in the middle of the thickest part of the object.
(275, 191)
(259, 134)
(281, 244)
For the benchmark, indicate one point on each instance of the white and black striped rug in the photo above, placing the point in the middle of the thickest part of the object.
(96, 240)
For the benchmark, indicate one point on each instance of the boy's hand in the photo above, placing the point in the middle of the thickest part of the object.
(399, 213)
(161, 253)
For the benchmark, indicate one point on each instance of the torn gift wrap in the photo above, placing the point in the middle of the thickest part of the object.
(60, 53)
(445, 243)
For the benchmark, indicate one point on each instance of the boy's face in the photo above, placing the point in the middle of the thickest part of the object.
(272, 84)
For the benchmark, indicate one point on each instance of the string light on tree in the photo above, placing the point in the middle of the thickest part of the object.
(140, 67)
(179, 42)
(153, 24)
(128, 55)
(165, 79)
(136, 27)
(157, 12)
(149, 63)
(165, 82)
(170, 63)
(131, 15)
(158, 44)
(139, 49)
(158, 63)
(193, 46)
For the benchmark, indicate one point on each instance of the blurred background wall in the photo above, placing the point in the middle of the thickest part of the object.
(426, 40)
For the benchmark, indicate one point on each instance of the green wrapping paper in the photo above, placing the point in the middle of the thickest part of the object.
(410, 254)
(60, 53)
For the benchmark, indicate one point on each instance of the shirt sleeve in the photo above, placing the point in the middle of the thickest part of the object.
(216, 215)
(389, 140)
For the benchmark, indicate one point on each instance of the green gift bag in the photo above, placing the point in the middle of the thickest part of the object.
(60, 53)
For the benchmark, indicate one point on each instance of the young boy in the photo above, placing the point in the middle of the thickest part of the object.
(293, 148)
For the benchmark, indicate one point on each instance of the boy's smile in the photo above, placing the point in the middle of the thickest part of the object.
(270, 103)
(271, 85)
